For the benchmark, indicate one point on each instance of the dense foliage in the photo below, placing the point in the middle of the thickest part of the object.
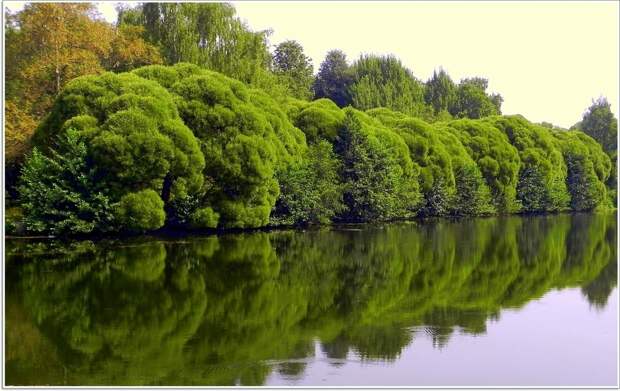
(229, 139)
(245, 139)
(385, 82)
(48, 45)
(187, 147)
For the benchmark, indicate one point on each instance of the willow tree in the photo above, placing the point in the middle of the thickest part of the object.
(206, 34)
(542, 177)
(134, 142)
(244, 137)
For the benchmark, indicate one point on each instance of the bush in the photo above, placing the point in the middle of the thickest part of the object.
(245, 138)
(588, 168)
(379, 176)
(542, 177)
(134, 136)
(205, 218)
(61, 193)
(140, 211)
(310, 192)
(497, 159)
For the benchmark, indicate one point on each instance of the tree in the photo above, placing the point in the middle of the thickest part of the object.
(60, 193)
(19, 128)
(49, 44)
(600, 123)
(56, 43)
(141, 211)
(377, 171)
(244, 136)
(310, 192)
(588, 168)
(497, 159)
(294, 68)
(129, 51)
(440, 91)
(133, 135)
(472, 100)
(542, 177)
(206, 34)
(333, 79)
(385, 82)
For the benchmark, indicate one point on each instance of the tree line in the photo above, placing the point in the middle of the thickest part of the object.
(231, 135)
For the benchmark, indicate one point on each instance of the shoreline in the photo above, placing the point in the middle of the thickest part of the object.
(179, 233)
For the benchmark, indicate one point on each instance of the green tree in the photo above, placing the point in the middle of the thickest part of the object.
(440, 91)
(472, 100)
(385, 82)
(206, 34)
(588, 167)
(377, 171)
(600, 123)
(310, 192)
(334, 78)
(542, 177)
(496, 158)
(134, 136)
(294, 69)
(244, 136)
(61, 193)
(141, 211)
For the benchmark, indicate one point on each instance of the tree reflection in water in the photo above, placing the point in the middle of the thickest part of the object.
(231, 309)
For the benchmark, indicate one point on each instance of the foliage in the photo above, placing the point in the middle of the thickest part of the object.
(61, 193)
(497, 159)
(221, 154)
(205, 218)
(440, 92)
(310, 192)
(472, 100)
(18, 131)
(542, 176)
(379, 177)
(588, 167)
(129, 51)
(49, 44)
(600, 123)
(140, 211)
(294, 69)
(135, 139)
(333, 80)
(206, 34)
(244, 137)
(319, 120)
(52, 43)
(385, 82)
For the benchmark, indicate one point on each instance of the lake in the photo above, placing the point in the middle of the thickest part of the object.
(506, 301)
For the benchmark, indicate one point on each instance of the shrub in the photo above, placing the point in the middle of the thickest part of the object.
(61, 193)
(140, 211)
(379, 176)
(310, 192)
(134, 136)
(205, 218)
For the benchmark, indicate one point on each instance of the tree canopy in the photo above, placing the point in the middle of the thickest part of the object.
(226, 134)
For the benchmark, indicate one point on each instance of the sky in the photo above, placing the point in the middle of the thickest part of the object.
(547, 59)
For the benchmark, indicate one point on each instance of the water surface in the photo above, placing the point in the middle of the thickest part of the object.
(499, 301)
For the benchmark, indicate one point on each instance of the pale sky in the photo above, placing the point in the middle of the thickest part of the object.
(547, 59)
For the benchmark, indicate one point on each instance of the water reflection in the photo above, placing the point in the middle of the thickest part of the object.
(233, 309)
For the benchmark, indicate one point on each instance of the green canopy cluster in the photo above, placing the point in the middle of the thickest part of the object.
(182, 146)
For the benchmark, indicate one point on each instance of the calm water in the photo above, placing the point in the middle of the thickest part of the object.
(502, 301)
